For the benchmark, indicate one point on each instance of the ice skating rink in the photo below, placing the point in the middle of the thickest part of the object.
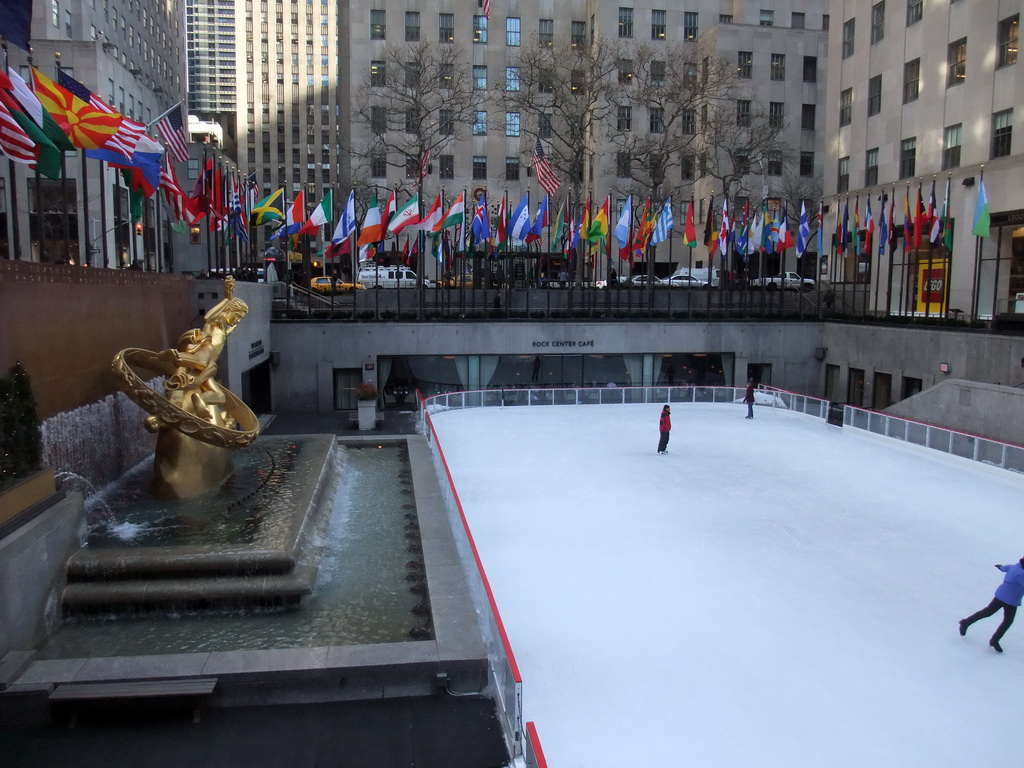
(774, 592)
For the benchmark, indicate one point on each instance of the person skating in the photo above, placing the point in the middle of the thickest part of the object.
(748, 398)
(664, 427)
(1008, 597)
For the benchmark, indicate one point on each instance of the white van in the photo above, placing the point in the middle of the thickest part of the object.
(389, 277)
(701, 274)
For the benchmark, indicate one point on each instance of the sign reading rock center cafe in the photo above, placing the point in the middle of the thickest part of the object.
(580, 343)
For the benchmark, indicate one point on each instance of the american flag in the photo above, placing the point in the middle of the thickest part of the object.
(487, 9)
(545, 175)
(176, 197)
(14, 142)
(127, 136)
(171, 128)
(424, 164)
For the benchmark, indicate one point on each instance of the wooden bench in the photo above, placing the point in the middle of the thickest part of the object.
(186, 691)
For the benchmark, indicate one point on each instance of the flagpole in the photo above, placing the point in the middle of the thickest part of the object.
(164, 114)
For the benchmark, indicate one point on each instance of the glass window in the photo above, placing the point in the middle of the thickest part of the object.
(908, 158)
(825, 19)
(446, 122)
(446, 168)
(622, 165)
(956, 62)
(877, 21)
(657, 121)
(511, 78)
(544, 129)
(810, 69)
(725, 18)
(513, 31)
(773, 164)
(378, 120)
(579, 33)
(690, 25)
(625, 71)
(915, 9)
(849, 32)
(512, 124)
(689, 121)
(625, 118)
(871, 167)
(778, 71)
(658, 70)
(1002, 133)
(745, 64)
(412, 26)
(625, 22)
(875, 95)
(911, 80)
(843, 174)
(776, 114)
(743, 113)
(951, 147)
(445, 74)
(446, 27)
(1007, 41)
(799, 20)
(808, 115)
(378, 25)
(657, 25)
(480, 123)
(687, 167)
(845, 106)
(378, 165)
(767, 18)
(512, 169)
(480, 29)
(546, 32)
(378, 76)
(806, 164)
(479, 168)
(480, 77)
(412, 74)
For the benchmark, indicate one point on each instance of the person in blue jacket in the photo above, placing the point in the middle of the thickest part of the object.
(1008, 597)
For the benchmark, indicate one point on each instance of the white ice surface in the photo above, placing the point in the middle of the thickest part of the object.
(774, 592)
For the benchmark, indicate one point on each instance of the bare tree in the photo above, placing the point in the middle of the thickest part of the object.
(410, 105)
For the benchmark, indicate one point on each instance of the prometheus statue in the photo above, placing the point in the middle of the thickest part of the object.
(198, 422)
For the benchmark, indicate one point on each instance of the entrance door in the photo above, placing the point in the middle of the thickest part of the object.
(345, 381)
(881, 396)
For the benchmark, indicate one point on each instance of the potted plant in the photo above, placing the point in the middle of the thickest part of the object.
(366, 395)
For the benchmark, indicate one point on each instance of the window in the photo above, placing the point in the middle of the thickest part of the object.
(412, 120)
(877, 22)
(378, 120)
(843, 174)
(658, 70)
(576, 80)
(776, 114)
(871, 167)
(446, 27)
(657, 123)
(743, 113)
(446, 122)
(480, 77)
(378, 75)
(545, 81)
(911, 80)
(951, 147)
(845, 106)
(798, 21)
(745, 64)
(625, 118)
(1002, 133)
(411, 167)
(806, 164)
(773, 165)
(625, 22)
(511, 78)
(825, 19)
(578, 35)
(808, 115)
(513, 31)
(689, 121)
(446, 169)
(690, 25)
(480, 123)
(908, 158)
(778, 71)
(657, 25)
(725, 18)
(625, 71)
(511, 169)
(686, 167)
(546, 32)
(378, 25)
(849, 31)
(1007, 41)
(445, 75)
(810, 69)
(915, 8)
(412, 74)
(378, 165)
(512, 124)
(412, 26)
(956, 62)
(767, 18)
(874, 95)
(544, 129)
(480, 30)
(622, 165)
(479, 168)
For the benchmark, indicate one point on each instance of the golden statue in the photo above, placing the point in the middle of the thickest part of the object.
(198, 422)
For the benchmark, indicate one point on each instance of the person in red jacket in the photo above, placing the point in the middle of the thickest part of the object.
(664, 427)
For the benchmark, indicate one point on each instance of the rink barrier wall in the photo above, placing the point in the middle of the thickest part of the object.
(962, 444)
(504, 671)
(534, 752)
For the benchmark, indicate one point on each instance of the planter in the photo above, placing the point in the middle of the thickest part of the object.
(367, 414)
(26, 493)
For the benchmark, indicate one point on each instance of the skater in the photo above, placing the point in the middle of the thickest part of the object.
(1008, 596)
(748, 398)
(664, 427)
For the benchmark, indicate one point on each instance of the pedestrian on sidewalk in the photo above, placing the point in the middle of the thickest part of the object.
(748, 398)
(664, 427)
(1008, 597)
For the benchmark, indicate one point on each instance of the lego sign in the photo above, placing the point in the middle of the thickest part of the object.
(931, 285)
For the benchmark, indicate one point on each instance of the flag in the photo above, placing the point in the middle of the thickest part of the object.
(599, 228)
(742, 232)
(803, 232)
(561, 225)
(689, 232)
(347, 223)
(919, 219)
(269, 210)
(584, 223)
(127, 136)
(573, 235)
(404, 216)
(177, 200)
(455, 216)
(501, 226)
(725, 230)
(487, 10)
(172, 130)
(869, 227)
(17, 15)
(519, 222)
(856, 226)
(908, 224)
(756, 236)
(372, 231)
(237, 211)
(892, 222)
(481, 226)
(844, 232)
(86, 126)
(982, 219)
(143, 166)
(785, 236)
(14, 141)
(710, 241)
(387, 213)
(648, 219)
(663, 226)
(433, 216)
(883, 227)
(947, 222)
(536, 231)
(933, 215)
(549, 182)
(320, 216)
(623, 226)
(821, 229)
(424, 167)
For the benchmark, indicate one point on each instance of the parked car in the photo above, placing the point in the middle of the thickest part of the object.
(790, 281)
(639, 281)
(329, 285)
(682, 281)
(390, 277)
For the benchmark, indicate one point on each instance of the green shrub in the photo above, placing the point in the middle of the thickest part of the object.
(21, 443)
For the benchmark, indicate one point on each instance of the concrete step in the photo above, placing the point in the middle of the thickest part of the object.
(176, 562)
